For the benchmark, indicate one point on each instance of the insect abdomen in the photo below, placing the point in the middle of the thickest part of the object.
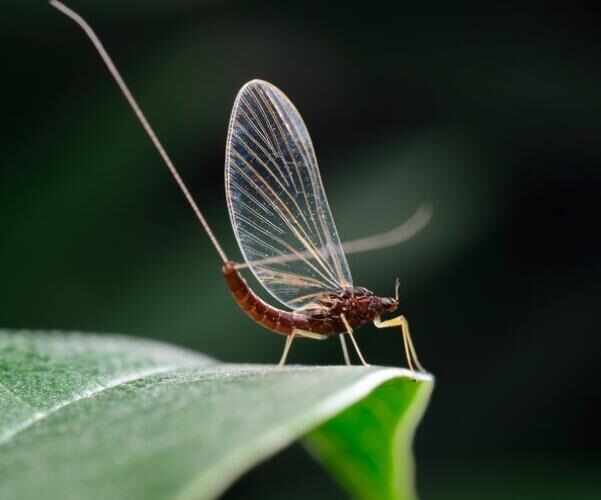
(272, 318)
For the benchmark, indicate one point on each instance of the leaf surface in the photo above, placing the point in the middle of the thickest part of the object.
(98, 416)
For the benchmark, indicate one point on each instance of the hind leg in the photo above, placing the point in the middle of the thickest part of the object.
(298, 333)
(287, 346)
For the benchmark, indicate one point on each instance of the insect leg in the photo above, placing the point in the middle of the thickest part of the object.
(349, 330)
(289, 340)
(347, 360)
(309, 335)
(300, 333)
(410, 352)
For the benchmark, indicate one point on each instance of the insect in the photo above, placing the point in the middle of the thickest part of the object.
(283, 223)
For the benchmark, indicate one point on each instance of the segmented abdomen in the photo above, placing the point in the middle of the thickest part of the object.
(272, 318)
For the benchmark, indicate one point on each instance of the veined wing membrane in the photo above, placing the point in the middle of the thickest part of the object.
(404, 232)
(276, 199)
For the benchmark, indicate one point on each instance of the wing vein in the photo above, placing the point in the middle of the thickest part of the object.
(276, 199)
(306, 243)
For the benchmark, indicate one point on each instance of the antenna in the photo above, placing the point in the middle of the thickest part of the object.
(138, 112)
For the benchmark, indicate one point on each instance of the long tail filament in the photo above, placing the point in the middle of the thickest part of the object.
(81, 22)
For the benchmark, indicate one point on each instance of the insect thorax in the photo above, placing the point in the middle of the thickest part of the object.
(358, 305)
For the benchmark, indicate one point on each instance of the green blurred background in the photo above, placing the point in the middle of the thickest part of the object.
(494, 119)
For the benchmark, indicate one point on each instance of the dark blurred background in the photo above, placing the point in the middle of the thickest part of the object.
(494, 119)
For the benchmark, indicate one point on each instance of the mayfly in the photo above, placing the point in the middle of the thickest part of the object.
(283, 223)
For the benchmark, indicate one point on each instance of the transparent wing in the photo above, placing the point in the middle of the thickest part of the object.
(404, 232)
(276, 199)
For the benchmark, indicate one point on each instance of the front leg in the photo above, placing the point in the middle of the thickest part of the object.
(410, 353)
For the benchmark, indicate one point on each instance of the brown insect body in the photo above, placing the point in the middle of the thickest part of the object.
(359, 306)
(280, 213)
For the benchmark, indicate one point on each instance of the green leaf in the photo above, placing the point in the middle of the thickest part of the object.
(98, 417)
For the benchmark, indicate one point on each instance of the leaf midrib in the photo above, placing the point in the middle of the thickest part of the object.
(40, 415)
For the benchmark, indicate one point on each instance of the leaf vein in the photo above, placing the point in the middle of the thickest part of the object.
(38, 416)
